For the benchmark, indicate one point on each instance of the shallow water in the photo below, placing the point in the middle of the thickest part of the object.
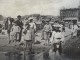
(30, 56)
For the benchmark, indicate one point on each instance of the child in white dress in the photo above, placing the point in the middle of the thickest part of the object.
(27, 36)
(57, 37)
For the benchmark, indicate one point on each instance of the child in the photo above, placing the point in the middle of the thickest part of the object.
(14, 35)
(57, 39)
(3, 31)
(27, 36)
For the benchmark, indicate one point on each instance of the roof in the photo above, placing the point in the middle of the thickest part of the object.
(71, 18)
(70, 9)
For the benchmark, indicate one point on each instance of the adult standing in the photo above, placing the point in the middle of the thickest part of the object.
(6, 23)
(47, 29)
(32, 29)
(63, 28)
(9, 26)
(42, 26)
(20, 24)
(74, 31)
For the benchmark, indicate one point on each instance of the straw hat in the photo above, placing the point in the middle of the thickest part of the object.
(30, 18)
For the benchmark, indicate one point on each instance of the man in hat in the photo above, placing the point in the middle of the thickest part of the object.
(47, 29)
(20, 24)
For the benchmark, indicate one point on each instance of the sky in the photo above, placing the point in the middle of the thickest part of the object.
(44, 7)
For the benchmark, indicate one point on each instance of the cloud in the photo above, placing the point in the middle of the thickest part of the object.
(24, 7)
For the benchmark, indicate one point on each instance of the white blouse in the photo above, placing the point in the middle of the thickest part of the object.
(32, 25)
(15, 29)
(56, 35)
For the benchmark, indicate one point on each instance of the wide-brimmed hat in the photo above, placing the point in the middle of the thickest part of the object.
(19, 16)
(30, 18)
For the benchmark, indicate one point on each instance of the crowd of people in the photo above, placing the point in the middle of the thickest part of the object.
(52, 34)
(17, 31)
(26, 32)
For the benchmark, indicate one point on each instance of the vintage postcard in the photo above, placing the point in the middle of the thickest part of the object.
(39, 29)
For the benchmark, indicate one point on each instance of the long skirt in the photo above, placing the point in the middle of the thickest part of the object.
(42, 34)
(46, 35)
(32, 35)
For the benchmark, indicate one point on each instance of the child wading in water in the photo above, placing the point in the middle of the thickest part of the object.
(27, 36)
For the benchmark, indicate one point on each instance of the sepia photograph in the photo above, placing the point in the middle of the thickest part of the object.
(39, 29)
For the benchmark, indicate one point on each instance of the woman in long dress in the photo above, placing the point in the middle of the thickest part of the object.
(32, 29)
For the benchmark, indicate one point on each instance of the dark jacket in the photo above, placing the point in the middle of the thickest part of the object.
(20, 24)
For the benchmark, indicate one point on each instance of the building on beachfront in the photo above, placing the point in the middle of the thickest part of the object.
(70, 15)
